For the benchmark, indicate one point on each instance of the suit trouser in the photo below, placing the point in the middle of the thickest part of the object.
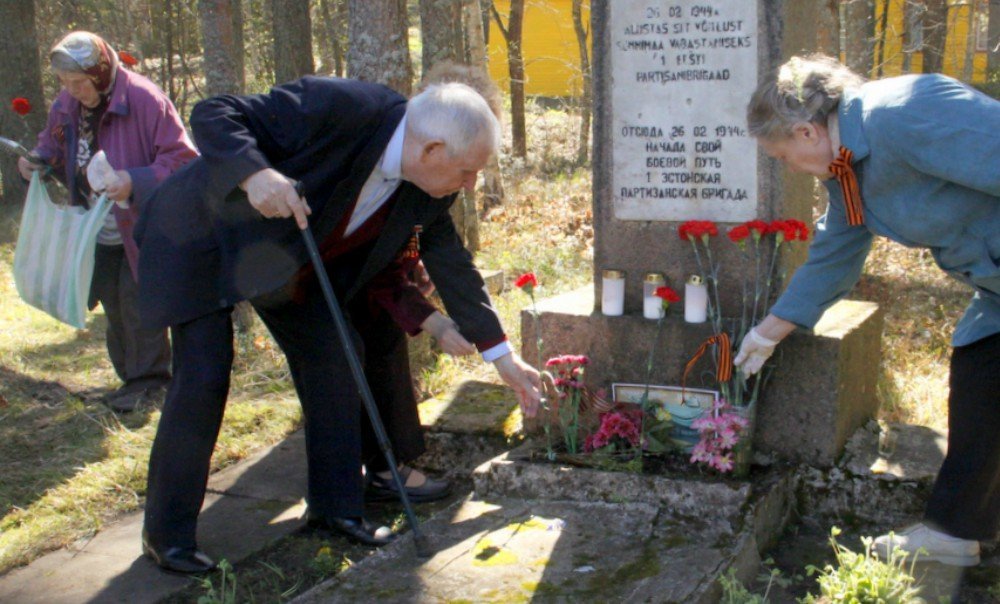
(139, 355)
(335, 433)
(965, 501)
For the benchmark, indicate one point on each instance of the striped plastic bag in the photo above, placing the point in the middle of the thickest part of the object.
(54, 258)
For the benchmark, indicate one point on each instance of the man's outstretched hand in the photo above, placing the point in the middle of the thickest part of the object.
(523, 379)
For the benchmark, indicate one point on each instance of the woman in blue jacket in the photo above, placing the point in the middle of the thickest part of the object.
(915, 159)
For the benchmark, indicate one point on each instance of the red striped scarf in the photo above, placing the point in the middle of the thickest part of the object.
(842, 170)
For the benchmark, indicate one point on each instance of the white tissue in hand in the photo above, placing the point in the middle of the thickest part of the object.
(101, 175)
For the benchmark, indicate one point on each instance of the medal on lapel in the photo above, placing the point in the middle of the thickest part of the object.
(413, 245)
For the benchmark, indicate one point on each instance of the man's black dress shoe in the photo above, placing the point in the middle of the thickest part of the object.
(185, 560)
(357, 530)
(384, 489)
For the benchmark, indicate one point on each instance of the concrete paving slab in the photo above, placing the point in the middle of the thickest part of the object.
(887, 491)
(542, 532)
(473, 407)
(512, 475)
(248, 506)
(277, 474)
(511, 550)
(917, 453)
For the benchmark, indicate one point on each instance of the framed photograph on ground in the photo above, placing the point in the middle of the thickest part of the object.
(671, 395)
(684, 405)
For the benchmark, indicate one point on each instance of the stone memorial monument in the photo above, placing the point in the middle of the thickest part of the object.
(671, 82)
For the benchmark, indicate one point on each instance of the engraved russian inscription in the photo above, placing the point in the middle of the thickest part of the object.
(683, 72)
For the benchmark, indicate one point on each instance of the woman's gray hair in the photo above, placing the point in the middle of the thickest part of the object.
(455, 114)
(805, 89)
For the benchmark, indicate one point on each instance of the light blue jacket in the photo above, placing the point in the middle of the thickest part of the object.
(927, 156)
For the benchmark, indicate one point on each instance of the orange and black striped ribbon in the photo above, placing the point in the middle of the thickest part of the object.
(844, 172)
(724, 369)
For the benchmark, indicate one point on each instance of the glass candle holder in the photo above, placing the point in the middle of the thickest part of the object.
(652, 307)
(695, 300)
(613, 293)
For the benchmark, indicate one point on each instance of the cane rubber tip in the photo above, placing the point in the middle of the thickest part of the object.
(423, 547)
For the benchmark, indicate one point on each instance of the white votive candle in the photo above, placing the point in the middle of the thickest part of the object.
(695, 300)
(652, 306)
(613, 293)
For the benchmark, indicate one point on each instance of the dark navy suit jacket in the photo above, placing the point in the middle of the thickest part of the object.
(205, 248)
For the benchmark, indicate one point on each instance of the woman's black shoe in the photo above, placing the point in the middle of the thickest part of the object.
(384, 489)
(184, 560)
(357, 530)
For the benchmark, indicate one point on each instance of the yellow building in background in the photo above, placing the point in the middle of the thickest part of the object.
(550, 49)
(552, 55)
(898, 51)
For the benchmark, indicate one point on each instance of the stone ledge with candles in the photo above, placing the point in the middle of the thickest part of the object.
(823, 387)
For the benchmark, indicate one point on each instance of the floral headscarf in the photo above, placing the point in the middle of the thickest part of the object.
(87, 53)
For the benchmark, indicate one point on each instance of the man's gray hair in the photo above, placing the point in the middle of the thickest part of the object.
(455, 114)
(805, 89)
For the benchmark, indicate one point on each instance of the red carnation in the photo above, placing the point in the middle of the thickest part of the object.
(527, 282)
(800, 229)
(698, 229)
(738, 233)
(759, 227)
(21, 106)
(784, 230)
(666, 294)
(127, 59)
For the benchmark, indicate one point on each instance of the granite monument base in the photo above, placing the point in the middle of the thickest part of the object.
(822, 389)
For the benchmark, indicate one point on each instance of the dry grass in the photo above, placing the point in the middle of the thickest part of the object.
(922, 306)
(70, 465)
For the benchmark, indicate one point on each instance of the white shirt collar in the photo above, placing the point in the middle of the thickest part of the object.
(391, 165)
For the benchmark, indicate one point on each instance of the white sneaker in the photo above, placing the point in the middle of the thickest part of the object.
(936, 546)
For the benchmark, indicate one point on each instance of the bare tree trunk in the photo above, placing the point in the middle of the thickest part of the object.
(993, 38)
(935, 34)
(379, 49)
(970, 43)
(222, 39)
(20, 76)
(492, 191)
(293, 56)
(859, 25)
(828, 31)
(882, 36)
(512, 34)
(906, 37)
(334, 30)
(441, 32)
(583, 149)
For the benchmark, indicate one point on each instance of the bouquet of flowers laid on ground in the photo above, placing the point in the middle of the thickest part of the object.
(565, 373)
(564, 394)
(618, 432)
(720, 432)
(760, 244)
(568, 404)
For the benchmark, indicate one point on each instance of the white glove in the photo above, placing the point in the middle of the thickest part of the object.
(100, 175)
(755, 349)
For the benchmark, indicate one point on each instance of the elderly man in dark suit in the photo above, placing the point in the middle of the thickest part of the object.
(378, 174)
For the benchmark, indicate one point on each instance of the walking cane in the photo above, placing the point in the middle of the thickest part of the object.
(419, 540)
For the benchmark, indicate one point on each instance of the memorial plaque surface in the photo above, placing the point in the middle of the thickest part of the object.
(682, 74)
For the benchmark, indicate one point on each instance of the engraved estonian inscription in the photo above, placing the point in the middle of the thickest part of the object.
(682, 73)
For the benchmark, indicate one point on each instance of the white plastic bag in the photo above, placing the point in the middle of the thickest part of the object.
(100, 175)
(54, 258)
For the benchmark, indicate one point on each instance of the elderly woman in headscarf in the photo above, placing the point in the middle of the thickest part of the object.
(915, 159)
(105, 107)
